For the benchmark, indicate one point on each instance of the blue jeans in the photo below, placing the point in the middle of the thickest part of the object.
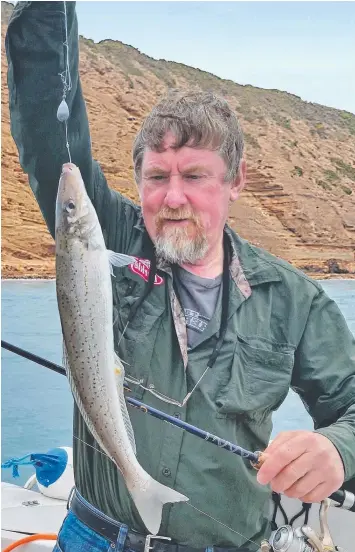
(75, 536)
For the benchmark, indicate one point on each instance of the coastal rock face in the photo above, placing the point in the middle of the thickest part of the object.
(299, 202)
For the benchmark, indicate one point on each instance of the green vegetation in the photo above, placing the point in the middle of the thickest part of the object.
(286, 123)
(282, 121)
(347, 190)
(117, 53)
(344, 168)
(319, 130)
(331, 176)
(297, 171)
(323, 184)
(349, 119)
(250, 114)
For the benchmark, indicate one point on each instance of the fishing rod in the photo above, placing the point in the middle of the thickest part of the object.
(222, 443)
(345, 499)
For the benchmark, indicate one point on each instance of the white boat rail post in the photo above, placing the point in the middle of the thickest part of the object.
(31, 482)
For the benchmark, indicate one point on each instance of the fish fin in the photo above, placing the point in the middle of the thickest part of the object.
(119, 372)
(150, 501)
(119, 259)
(65, 360)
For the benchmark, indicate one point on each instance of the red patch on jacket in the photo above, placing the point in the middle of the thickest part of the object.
(142, 268)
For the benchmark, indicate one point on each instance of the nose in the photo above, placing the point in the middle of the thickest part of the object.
(175, 195)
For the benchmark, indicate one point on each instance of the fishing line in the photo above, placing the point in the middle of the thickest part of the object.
(221, 523)
(186, 503)
(119, 341)
(122, 334)
(63, 109)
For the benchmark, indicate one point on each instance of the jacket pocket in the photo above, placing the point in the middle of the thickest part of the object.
(259, 378)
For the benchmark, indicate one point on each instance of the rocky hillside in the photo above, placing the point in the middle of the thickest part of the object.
(300, 199)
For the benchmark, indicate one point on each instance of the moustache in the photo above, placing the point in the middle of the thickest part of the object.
(175, 214)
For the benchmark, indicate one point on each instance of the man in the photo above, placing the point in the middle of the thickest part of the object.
(201, 297)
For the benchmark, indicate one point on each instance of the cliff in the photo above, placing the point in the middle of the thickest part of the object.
(299, 202)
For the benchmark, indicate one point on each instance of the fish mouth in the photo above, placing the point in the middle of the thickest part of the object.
(68, 168)
(71, 186)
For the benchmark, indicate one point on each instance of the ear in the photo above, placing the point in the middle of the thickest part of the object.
(239, 182)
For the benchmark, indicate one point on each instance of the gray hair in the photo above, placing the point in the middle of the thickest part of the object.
(199, 119)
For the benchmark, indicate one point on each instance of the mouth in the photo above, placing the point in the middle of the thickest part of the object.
(67, 168)
(177, 221)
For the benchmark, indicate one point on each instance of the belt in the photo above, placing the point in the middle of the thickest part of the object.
(109, 529)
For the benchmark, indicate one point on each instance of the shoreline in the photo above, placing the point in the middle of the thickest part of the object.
(326, 277)
(28, 279)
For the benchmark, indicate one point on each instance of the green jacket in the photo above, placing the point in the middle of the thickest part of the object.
(283, 330)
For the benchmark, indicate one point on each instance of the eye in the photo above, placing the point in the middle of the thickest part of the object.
(193, 176)
(70, 206)
(158, 177)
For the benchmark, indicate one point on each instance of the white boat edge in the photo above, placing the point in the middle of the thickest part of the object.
(25, 512)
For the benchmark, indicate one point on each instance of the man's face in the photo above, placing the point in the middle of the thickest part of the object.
(185, 200)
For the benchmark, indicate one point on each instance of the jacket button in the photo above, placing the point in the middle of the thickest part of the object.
(177, 415)
(166, 472)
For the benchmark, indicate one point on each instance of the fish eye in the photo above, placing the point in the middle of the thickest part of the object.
(70, 206)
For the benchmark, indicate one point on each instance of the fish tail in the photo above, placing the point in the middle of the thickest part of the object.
(150, 501)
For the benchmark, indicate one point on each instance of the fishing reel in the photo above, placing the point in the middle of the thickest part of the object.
(302, 539)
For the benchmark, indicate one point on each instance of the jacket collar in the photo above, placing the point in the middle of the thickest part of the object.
(256, 268)
(248, 266)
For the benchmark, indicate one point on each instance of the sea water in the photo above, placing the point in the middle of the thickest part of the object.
(37, 404)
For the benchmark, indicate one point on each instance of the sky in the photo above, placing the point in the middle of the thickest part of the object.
(306, 48)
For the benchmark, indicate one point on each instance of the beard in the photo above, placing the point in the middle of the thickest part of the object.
(178, 245)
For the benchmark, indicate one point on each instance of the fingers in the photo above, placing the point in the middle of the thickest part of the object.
(279, 455)
(302, 464)
(293, 472)
(317, 494)
(281, 438)
(304, 486)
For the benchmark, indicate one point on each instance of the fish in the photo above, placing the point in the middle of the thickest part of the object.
(84, 267)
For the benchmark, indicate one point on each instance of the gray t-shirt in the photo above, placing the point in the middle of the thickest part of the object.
(199, 298)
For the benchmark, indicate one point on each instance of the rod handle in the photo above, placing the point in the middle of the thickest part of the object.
(261, 459)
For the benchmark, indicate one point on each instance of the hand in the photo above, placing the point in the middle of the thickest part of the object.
(302, 464)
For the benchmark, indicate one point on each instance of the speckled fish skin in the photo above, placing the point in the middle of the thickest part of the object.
(84, 295)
